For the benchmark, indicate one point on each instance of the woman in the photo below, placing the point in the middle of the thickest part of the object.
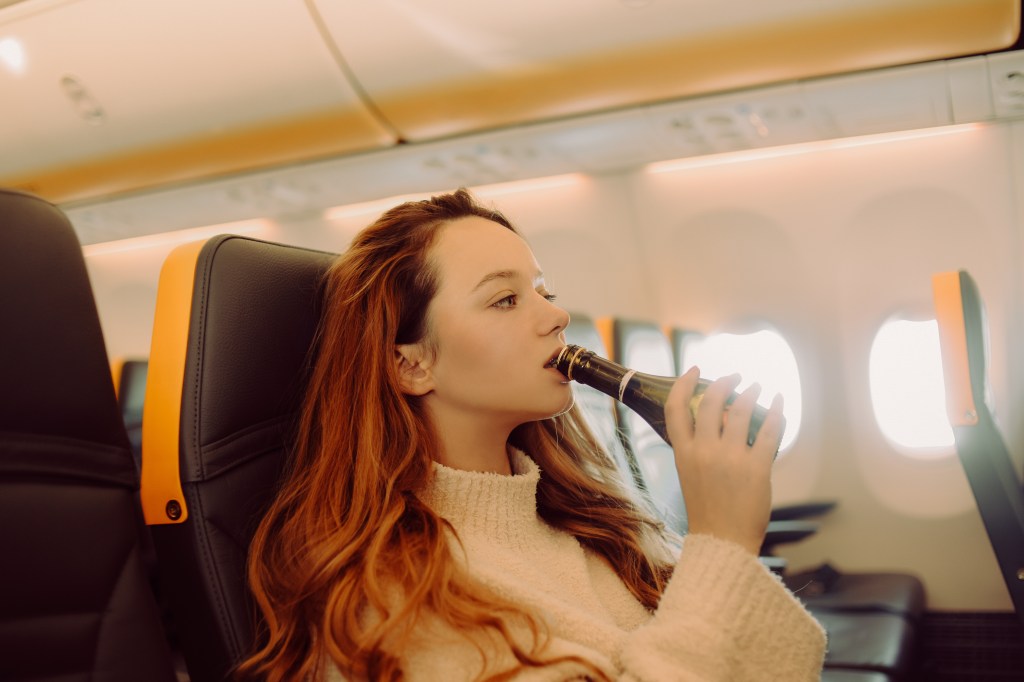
(448, 516)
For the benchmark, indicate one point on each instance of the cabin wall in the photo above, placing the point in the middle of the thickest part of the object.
(823, 242)
(826, 246)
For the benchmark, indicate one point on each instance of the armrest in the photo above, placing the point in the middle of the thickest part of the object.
(791, 512)
(783, 532)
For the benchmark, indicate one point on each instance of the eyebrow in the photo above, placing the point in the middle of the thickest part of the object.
(505, 274)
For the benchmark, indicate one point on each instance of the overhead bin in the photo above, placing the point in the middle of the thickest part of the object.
(449, 67)
(116, 95)
(675, 132)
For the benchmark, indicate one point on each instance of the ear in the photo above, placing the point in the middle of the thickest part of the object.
(414, 369)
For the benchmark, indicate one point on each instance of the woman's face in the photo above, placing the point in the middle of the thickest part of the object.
(493, 327)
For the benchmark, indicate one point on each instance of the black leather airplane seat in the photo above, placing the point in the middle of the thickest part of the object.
(868, 641)
(963, 337)
(76, 602)
(130, 384)
(826, 589)
(234, 323)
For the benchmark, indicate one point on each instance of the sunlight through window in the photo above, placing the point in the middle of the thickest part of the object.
(762, 356)
(12, 55)
(907, 392)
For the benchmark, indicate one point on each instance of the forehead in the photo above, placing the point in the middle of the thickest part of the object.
(470, 248)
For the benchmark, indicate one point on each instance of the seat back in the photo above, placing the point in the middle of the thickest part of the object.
(130, 384)
(234, 323)
(77, 602)
(680, 338)
(643, 346)
(599, 409)
(963, 339)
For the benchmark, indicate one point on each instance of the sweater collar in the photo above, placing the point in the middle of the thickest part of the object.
(476, 502)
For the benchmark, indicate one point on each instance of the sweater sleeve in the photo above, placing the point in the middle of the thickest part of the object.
(724, 617)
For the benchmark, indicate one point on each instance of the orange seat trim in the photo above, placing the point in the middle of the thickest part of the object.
(960, 405)
(116, 369)
(605, 327)
(163, 501)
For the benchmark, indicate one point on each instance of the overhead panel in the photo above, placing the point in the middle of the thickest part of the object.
(436, 68)
(900, 99)
(108, 96)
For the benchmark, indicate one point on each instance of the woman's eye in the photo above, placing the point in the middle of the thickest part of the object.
(550, 297)
(506, 302)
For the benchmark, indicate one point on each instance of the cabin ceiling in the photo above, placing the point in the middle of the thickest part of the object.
(105, 98)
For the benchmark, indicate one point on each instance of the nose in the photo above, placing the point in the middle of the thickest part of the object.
(558, 319)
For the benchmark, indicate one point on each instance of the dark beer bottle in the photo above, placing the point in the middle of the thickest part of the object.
(645, 394)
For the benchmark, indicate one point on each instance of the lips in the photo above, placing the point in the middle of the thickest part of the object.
(553, 360)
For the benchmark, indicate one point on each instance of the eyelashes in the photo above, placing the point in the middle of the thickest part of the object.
(506, 303)
(510, 301)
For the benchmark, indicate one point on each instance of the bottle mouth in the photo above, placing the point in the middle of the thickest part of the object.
(565, 360)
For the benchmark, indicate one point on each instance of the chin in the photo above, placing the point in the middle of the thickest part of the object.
(570, 401)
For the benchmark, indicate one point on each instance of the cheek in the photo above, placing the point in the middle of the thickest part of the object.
(476, 346)
(460, 347)
(483, 359)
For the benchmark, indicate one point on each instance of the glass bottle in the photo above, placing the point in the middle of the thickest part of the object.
(645, 394)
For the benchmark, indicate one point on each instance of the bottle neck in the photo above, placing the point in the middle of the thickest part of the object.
(583, 366)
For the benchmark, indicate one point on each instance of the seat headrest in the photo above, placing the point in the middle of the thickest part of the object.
(56, 372)
(248, 320)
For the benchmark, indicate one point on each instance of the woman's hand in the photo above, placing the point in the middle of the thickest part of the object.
(726, 483)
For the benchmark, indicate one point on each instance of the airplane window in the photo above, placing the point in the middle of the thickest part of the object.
(907, 391)
(12, 55)
(762, 356)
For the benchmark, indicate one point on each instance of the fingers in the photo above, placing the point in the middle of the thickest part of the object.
(711, 413)
(678, 421)
(726, 486)
(737, 419)
(722, 415)
(770, 435)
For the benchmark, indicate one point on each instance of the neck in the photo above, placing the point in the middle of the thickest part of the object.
(470, 443)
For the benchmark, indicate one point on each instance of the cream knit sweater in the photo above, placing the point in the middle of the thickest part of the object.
(722, 618)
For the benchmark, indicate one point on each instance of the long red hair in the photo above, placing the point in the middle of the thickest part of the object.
(347, 529)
